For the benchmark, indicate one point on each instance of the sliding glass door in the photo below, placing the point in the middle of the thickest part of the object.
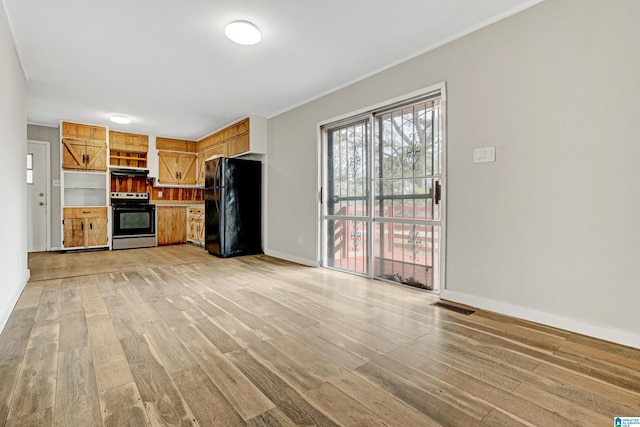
(383, 186)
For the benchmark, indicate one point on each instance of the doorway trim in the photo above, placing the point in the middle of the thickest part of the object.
(47, 162)
(369, 110)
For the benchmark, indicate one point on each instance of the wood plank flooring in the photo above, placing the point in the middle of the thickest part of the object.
(174, 336)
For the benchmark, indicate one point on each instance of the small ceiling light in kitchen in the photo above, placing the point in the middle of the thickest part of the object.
(121, 120)
(243, 32)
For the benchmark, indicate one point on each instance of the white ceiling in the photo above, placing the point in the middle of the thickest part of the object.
(168, 66)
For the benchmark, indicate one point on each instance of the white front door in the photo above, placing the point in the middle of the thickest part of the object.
(37, 196)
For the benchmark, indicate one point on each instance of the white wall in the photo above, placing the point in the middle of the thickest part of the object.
(13, 146)
(551, 230)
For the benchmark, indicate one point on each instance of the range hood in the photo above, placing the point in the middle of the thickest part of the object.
(129, 173)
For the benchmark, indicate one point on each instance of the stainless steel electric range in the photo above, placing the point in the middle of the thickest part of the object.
(134, 221)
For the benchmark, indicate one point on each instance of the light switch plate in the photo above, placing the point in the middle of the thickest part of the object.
(56, 183)
(484, 154)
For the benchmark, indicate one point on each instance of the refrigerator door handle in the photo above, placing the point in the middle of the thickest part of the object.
(217, 202)
(215, 174)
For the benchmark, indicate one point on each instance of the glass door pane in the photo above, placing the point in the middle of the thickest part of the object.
(407, 185)
(347, 203)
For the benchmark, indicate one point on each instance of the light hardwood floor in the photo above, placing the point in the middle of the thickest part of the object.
(174, 336)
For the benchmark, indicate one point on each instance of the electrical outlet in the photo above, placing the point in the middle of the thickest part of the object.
(159, 193)
(56, 183)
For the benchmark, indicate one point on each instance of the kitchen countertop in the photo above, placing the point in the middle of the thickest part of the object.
(194, 203)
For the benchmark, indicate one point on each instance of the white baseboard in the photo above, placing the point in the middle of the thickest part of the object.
(7, 308)
(608, 334)
(292, 258)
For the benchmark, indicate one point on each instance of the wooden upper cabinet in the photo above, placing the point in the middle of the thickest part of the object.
(73, 154)
(218, 150)
(245, 136)
(176, 145)
(187, 168)
(84, 147)
(200, 165)
(96, 155)
(84, 155)
(82, 131)
(177, 168)
(128, 149)
(131, 142)
(242, 127)
(168, 167)
(238, 145)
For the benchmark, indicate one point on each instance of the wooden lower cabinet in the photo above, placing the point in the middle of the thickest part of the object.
(195, 225)
(85, 227)
(172, 225)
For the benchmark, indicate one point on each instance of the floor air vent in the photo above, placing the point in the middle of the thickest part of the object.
(453, 308)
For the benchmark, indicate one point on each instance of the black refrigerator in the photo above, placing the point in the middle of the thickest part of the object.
(233, 207)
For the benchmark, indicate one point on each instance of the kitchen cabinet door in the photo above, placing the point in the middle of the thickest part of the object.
(238, 145)
(96, 231)
(96, 156)
(172, 225)
(84, 155)
(177, 168)
(73, 154)
(82, 131)
(187, 168)
(200, 167)
(74, 232)
(195, 225)
(168, 167)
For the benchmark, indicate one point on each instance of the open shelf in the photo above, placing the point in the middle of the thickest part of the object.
(129, 159)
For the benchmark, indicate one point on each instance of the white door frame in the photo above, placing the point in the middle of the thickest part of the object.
(47, 174)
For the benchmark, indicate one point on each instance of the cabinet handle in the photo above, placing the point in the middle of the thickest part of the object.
(91, 226)
(87, 159)
(86, 212)
(83, 226)
(84, 157)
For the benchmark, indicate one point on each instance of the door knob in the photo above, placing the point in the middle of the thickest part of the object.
(41, 203)
(41, 194)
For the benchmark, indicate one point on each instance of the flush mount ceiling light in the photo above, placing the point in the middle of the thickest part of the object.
(121, 120)
(243, 32)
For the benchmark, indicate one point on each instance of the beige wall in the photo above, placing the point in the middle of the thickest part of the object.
(13, 146)
(550, 231)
